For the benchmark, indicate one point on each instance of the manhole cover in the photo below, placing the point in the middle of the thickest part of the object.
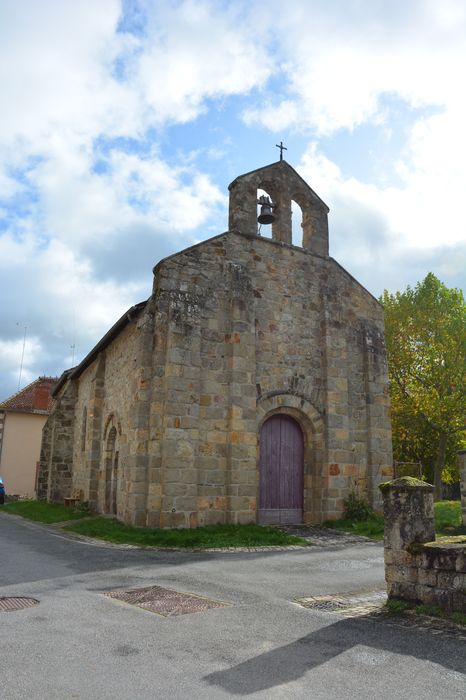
(165, 601)
(10, 604)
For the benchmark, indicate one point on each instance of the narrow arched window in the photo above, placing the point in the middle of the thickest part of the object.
(296, 224)
(84, 430)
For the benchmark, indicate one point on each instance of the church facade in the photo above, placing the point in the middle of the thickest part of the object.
(250, 387)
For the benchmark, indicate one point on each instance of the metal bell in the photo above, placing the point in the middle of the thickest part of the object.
(266, 216)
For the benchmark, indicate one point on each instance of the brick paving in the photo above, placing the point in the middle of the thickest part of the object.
(325, 536)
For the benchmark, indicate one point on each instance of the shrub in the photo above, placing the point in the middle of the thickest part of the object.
(357, 508)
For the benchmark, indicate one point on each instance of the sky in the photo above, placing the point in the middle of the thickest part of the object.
(122, 122)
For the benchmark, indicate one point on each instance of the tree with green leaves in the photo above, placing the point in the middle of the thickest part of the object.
(425, 332)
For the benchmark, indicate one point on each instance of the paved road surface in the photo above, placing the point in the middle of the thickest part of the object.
(80, 644)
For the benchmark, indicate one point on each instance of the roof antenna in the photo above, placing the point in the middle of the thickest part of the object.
(73, 345)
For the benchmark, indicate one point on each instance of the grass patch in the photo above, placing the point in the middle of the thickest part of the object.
(397, 607)
(44, 512)
(400, 607)
(112, 530)
(459, 618)
(448, 518)
(372, 527)
(431, 610)
(448, 521)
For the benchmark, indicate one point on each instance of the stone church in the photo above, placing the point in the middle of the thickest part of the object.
(250, 387)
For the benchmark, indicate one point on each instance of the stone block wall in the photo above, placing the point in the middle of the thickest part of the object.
(56, 459)
(418, 567)
(245, 327)
(202, 434)
(238, 328)
(106, 400)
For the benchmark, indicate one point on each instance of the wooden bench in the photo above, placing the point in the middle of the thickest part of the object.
(70, 502)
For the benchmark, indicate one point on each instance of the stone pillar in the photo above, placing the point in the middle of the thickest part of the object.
(462, 471)
(94, 437)
(56, 460)
(241, 438)
(378, 432)
(408, 506)
(181, 390)
(138, 498)
(281, 227)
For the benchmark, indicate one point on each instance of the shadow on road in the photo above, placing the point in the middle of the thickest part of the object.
(290, 662)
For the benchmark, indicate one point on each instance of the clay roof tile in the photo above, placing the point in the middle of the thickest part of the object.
(34, 398)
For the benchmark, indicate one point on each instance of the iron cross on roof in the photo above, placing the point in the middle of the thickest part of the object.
(282, 148)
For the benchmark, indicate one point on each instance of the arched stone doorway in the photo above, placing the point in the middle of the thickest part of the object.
(281, 471)
(111, 472)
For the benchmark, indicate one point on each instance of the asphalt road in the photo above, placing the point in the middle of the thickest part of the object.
(79, 643)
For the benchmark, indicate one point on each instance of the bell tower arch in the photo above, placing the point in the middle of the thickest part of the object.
(283, 184)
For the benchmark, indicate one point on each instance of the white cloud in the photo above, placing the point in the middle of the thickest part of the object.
(198, 51)
(388, 237)
(16, 364)
(340, 74)
(90, 200)
(338, 63)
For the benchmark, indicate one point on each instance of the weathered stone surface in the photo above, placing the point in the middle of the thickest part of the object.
(409, 512)
(419, 568)
(237, 328)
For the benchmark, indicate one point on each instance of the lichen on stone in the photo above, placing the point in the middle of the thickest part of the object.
(455, 540)
(405, 482)
(415, 548)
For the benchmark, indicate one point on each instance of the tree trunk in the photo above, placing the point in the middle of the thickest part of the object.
(440, 463)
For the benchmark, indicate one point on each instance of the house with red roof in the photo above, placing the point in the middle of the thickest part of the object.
(22, 417)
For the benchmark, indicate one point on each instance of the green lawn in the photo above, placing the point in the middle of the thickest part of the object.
(202, 537)
(43, 512)
(372, 527)
(447, 522)
(112, 530)
(448, 518)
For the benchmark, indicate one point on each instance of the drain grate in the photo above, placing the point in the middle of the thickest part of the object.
(11, 604)
(328, 605)
(347, 604)
(165, 601)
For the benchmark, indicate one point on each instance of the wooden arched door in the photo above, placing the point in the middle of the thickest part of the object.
(281, 479)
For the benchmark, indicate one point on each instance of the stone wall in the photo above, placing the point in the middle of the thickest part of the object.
(56, 458)
(245, 327)
(418, 567)
(462, 470)
(104, 401)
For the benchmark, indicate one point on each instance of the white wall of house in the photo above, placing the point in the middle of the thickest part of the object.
(22, 435)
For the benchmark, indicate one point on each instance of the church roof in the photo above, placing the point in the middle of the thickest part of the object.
(34, 398)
